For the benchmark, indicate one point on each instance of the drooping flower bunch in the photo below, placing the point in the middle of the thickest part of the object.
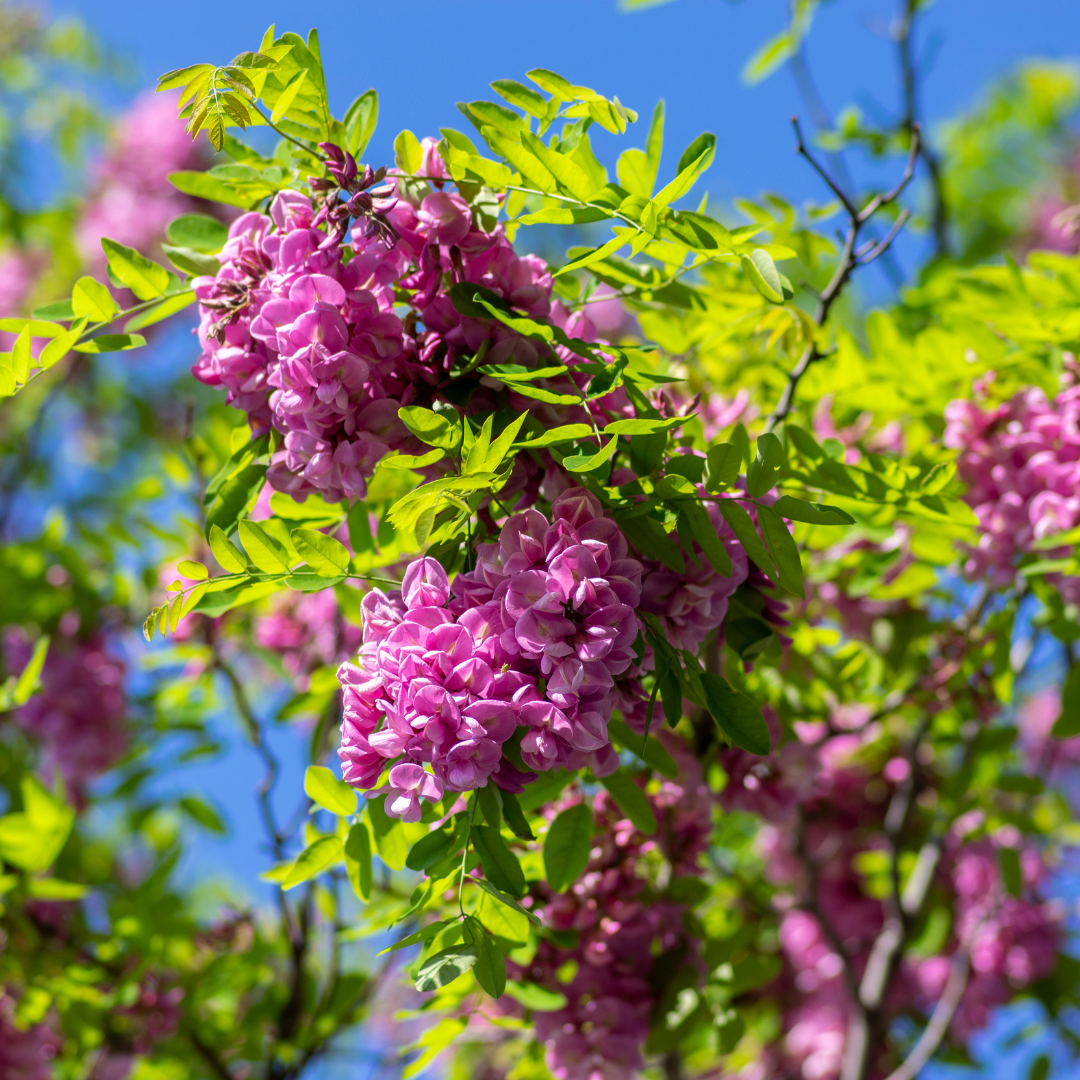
(823, 811)
(26, 1053)
(132, 199)
(300, 324)
(622, 926)
(1020, 462)
(78, 717)
(308, 631)
(534, 636)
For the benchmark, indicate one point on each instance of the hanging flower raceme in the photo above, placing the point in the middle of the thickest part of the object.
(1021, 464)
(815, 798)
(26, 1053)
(533, 637)
(308, 631)
(622, 925)
(300, 325)
(133, 199)
(78, 716)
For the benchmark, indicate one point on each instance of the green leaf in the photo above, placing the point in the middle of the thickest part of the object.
(490, 966)
(643, 426)
(315, 858)
(391, 841)
(687, 175)
(770, 56)
(34, 838)
(58, 309)
(553, 84)
(433, 1042)
(736, 715)
(704, 532)
(514, 816)
(649, 750)
(783, 549)
(649, 537)
(58, 348)
(504, 899)
(358, 859)
(569, 175)
(566, 433)
(202, 812)
(203, 186)
(565, 215)
(106, 343)
(425, 933)
(742, 525)
(360, 121)
(322, 553)
(92, 299)
(761, 272)
(722, 464)
(536, 998)
(262, 549)
(509, 927)
(226, 553)
(1068, 723)
(29, 680)
(323, 787)
(190, 261)
(288, 95)
(190, 569)
(811, 513)
(54, 889)
(567, 846)
(160, 311)
(145, 278)
(446, 966)
(582, 463)
(430, 427)
(428, 850)
(489, 799)
(408, 153)
(1012, 876)
(631, 800)
(764, 469)
(199, 232)
(524, 97)
(501, 866)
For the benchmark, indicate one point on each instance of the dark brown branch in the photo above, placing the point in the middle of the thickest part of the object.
(810, 904)
(909, 86)
(210, 1056)
(848, 262)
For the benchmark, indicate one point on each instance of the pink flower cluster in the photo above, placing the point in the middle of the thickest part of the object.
(1012, 941)
(304, 329)
(621, 926)
(308, 631)
(693, 604)
(133, 200)
(78, 716)
(25, 1053)
(534, 636)
(1021, 464)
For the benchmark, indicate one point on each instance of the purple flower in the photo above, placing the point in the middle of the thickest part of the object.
(408, 785)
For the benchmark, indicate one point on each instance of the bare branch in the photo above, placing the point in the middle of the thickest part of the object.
(878, 201)
(837, 190)
(940, 1019)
